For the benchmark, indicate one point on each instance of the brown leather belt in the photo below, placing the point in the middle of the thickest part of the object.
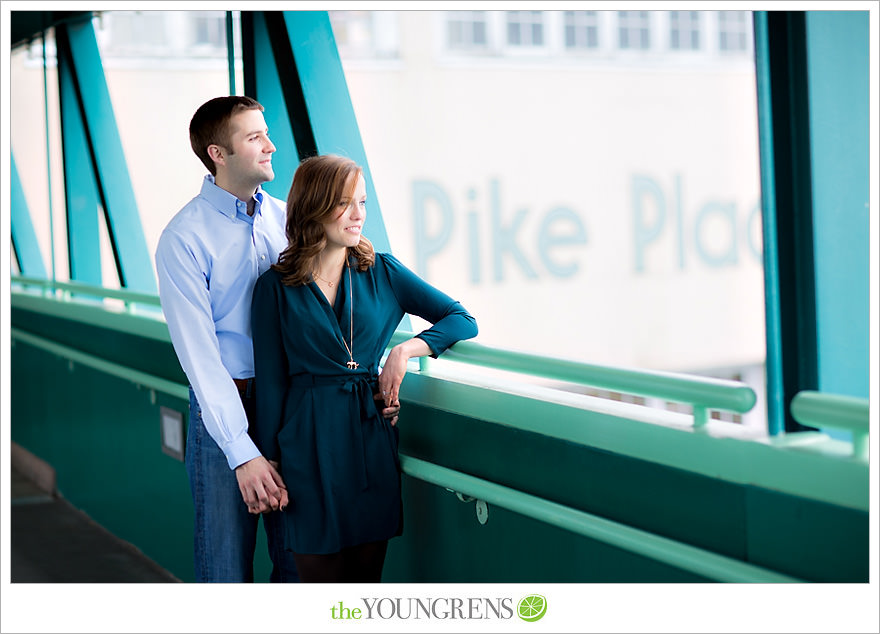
(243, 385)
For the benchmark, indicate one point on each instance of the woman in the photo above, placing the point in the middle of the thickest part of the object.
(322, 318)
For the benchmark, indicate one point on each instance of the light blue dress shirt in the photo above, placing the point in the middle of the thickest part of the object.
(207, 261)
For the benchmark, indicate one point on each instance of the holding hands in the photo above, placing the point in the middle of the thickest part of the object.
(261, 486)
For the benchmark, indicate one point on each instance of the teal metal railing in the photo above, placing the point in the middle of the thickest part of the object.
(701, 393)
(835, 411)
(683, 556)
(84, 291)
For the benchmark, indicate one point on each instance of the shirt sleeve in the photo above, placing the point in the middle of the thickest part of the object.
(451, 321)
(270, 366)
(186, 303)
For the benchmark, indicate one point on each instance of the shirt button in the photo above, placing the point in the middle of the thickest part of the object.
(262, 257)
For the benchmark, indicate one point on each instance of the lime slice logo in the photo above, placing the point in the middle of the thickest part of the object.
(532, 608)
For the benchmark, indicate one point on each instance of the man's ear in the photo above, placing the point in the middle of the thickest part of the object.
(217, 154)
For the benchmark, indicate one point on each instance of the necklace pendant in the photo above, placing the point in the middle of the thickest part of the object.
(352, 365)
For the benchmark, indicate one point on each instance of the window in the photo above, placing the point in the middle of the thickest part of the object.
(155, 38)
(135, 32)
(684, 30)
(353, 31)
(366, 35)
(525, 28)
(209, 29)
(466, 30)
(732, 27)
(581, 29)
(634, 29)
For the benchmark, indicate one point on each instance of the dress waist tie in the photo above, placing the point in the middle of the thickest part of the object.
(360, 385)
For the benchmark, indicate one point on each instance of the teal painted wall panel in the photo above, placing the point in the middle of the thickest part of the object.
(443, 542)
(701, 511)
(808, 540)
(838, 54)
(125, 349)
(94, 425)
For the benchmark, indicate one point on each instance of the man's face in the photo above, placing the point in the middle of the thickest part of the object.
(248, 159)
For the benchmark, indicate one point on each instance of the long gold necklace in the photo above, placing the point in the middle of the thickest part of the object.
(352, 364)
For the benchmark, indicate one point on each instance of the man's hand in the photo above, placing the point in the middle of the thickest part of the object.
(261, 486)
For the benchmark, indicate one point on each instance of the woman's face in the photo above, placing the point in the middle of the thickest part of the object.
(345, 229)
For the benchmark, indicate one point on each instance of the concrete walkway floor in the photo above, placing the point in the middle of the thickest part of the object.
(53, 542)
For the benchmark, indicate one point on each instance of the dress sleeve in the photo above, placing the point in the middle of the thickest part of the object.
(451, 321)
(270, 365)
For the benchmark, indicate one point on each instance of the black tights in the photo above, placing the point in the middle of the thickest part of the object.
(356, 564)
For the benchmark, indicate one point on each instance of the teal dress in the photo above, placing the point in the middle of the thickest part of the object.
(318, 418)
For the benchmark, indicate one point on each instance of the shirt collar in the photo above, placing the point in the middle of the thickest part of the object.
(226, 203)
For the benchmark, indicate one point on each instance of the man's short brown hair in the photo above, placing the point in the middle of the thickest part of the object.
(210, 125)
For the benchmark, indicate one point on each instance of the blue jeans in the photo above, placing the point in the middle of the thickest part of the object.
(225, 534)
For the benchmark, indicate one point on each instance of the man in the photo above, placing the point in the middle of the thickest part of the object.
(207, 260)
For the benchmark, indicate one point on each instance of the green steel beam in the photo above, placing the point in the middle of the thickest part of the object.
(308, 106)
(103, 153)
(311, 92)
(840, 134)
(230, 52)
(786, 180)
(80, 190)
(772, 315)
(24, 239)
(290, 84)
(263, 83)
(330, 110)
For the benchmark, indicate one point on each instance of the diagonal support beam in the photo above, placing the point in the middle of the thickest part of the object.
(263, 82)
(328, 103)
(86, 99)
(82, 203)
(292, 66)
(24, 238)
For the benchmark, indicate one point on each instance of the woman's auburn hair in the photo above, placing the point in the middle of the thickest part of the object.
(319, 184)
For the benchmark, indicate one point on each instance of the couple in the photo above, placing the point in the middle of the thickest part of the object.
(279, 316)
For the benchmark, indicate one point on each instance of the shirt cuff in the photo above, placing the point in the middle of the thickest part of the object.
(240, 451)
